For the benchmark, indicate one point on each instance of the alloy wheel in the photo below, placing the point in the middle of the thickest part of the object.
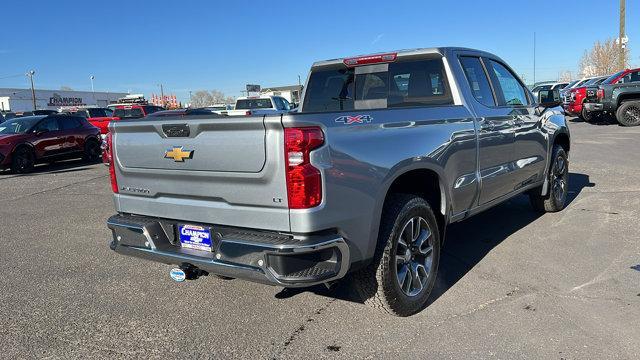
(414, 256)
(632, 115)
(559, 179)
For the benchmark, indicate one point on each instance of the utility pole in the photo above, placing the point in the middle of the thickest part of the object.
(299, 82)
(621, 38)
(33, 90)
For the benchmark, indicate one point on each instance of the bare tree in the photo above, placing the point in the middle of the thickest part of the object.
(565, 76)
(203, 98)
(602, 59)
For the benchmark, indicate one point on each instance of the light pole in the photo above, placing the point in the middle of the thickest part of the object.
(93, 93)
(190, 98)
(33, 91)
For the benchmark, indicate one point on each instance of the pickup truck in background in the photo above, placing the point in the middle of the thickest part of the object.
(259, 105)
(385, 152)
(575, 97)
(618, 96)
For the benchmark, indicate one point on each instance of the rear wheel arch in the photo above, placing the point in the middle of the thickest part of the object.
(562, 139)
(426, 183)
(627, 97)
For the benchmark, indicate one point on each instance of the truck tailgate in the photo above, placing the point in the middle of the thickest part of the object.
(225, 171)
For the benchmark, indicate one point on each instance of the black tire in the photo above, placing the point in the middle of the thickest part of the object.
(558, 179)
(379, 284)
(23, 160)
(628, 114)
(92, 150)
(587, 116)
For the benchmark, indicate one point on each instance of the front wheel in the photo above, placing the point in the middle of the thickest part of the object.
(628, 114)
(558, 179)
(23, 160)
(400, 278)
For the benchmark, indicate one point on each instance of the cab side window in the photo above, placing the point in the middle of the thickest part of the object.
(477, 79)
(509, 90)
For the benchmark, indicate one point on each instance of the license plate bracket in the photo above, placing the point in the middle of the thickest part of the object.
(195, 237)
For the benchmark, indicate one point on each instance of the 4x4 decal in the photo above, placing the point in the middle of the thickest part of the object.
(357, 119)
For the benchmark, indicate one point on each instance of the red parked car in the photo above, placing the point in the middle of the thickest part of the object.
(98, 117)
(26, 141)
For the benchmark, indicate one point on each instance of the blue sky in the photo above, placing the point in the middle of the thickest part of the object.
(192, 45)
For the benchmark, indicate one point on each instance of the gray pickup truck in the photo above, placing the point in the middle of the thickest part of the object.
(385, 151)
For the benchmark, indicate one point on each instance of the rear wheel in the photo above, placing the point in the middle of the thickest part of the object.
(23, 160)
(400, 278)
(556, 197)
(587, 116)
(92, 151)
(628, 113)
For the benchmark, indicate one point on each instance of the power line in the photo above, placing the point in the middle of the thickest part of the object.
(11, 76)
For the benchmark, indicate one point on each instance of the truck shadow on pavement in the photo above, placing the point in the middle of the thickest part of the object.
(467, 243)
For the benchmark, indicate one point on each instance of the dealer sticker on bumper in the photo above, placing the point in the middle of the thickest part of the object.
(195, 237)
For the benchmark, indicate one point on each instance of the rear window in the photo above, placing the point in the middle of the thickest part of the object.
(133, 113)
(400, 84)
(247, 104)
(97, 113)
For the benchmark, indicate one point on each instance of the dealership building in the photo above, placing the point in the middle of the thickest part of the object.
(19, 100)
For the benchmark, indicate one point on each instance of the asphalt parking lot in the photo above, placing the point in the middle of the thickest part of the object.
(512, 284)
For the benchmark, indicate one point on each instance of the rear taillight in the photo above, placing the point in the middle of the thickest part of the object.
(107, 158)
(600, 94)
(247, 113)
(304, 181)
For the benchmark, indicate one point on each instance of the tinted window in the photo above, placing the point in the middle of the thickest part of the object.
(372, 86)
(96, 113)
(405, 83)
(133, 113)
(330, 90)
(247, 104)
(513, 93)
(612, 77)
(631, 77)
(478, 81)
(50, 124)
(69, 123)
(18, 125)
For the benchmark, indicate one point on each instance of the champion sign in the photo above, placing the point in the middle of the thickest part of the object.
(356, 119)
(57, 100)
(195, 237)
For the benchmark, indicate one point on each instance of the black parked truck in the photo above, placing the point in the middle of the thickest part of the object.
(618, 96)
